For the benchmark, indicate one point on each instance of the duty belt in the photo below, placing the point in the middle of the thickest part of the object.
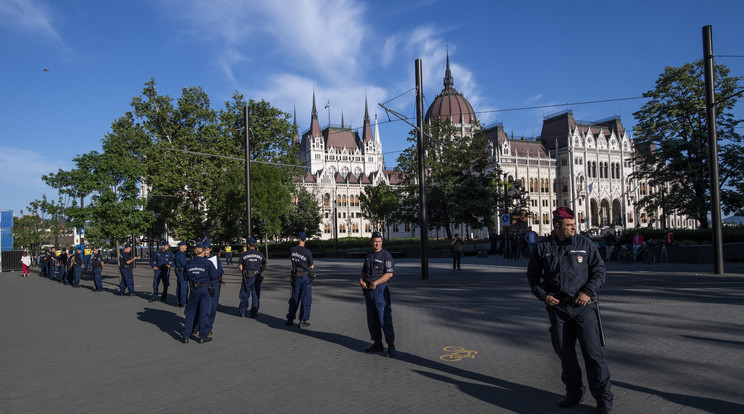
(298, 273)
(564, 298)
(198, 285)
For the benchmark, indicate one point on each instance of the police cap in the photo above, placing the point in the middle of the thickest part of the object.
(251, 240)
(376, 235)
(302, 236)
(183, 243)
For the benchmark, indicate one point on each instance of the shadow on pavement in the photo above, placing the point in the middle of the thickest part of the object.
(166, 320)
(709, 405)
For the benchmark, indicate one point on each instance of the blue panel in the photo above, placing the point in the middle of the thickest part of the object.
(6, 218)
(6, 235)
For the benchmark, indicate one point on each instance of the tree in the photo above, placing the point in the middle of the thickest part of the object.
(379, 204)
(671, 142)
(304, 215)
(458, 180)
(28, 232)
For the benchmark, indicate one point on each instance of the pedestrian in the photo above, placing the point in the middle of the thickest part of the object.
(637, 243)
(182, 288)
(566, 272)
(76, 266)
(377, 270)
(228, 255)
(126, 264)
(161, 262)
(251, 264)
(301, 294)
(25, 263)
(96, 265)
(456, 245)
(531, 238)
(201, 276)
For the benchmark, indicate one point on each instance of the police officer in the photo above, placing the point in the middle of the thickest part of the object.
(251, 264)
(215, 260)
(301, 294)
(228, 255)
(61, 261)
(76, 265)
(126, 264)
(201, 276)
(377, 270)
(69, 265)
(161, 263)
(43, 269)
(182, 288)
(96, 264)
(566, 272)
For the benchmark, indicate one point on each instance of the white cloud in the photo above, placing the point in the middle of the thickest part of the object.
(324, 38)
(533, 99)
(29, 16)
(389, 49)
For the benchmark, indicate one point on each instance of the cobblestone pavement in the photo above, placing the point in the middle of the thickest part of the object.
(674, 342)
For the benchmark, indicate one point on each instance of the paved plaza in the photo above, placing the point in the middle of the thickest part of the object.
(474, 341)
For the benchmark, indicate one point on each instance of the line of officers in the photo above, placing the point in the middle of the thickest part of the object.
(199, 279)
(66, 266)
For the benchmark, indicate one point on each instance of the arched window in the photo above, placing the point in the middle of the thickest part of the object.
(326, 200)
(343, 200)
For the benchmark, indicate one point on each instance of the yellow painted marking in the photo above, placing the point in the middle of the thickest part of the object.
(457, 353)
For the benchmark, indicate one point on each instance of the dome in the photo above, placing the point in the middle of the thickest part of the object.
(450, 104)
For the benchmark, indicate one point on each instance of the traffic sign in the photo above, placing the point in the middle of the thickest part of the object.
(506, 220)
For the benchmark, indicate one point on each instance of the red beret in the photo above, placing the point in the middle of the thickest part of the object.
(563, 212)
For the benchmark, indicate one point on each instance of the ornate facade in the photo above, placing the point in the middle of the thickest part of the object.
(583, 165)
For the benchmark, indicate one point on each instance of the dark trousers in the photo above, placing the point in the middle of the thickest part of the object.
(97, 278)
(127, 281)
(76, 271)
(161, 274)
(456, 256)
(228, 258)
(567, 324)
(301, 297)
(379, 313)
(63, 274)
(213, 306)
(197, 308)
(250, 290)
(182, 288)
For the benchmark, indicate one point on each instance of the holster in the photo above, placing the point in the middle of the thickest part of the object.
(211, 290)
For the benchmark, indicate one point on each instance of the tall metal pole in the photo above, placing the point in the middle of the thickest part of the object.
(422, 171)
(248, 226)
(715, 189)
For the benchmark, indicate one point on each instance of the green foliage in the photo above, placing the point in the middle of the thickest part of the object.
(28, 232)
(458, 183)
(671, 142)
(379, 204)
(303, 216)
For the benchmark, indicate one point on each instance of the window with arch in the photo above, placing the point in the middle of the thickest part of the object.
(326, 200)
(343, 200)
(368, 228)
(344, 172)
(342, 228)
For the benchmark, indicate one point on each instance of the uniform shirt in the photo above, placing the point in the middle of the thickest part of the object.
(200, 270)
(377, 264)
(96, 260)
(301, 257)
(566, 267)
(179, 259)
(124, 257)
(77, 259)
(43, 258)
(253, 260)
(218, 266)
(162, 258)
(62, 258)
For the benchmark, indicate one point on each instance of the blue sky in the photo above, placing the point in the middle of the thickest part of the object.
(504, 55)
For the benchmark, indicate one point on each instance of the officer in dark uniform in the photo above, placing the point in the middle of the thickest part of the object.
(302, 261)
(251, 264)
(201, 276)
(377, 270)
(43, 270)
(61, 261)
(77, 267)
(566, 272)
(69, 266)
(126, 264)
(96, 264)
(161, 262)
(52, 265)
(182, 288)
(215, 260)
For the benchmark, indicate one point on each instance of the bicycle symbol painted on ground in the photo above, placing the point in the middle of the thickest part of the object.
(457, 353)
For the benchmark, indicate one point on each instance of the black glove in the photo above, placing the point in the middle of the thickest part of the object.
(311, 275)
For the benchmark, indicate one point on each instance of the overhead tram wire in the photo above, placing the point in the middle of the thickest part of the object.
(278, 164)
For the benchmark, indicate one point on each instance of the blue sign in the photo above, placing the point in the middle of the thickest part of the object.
(506, 220)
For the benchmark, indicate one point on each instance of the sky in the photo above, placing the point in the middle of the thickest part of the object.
(69, 68)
